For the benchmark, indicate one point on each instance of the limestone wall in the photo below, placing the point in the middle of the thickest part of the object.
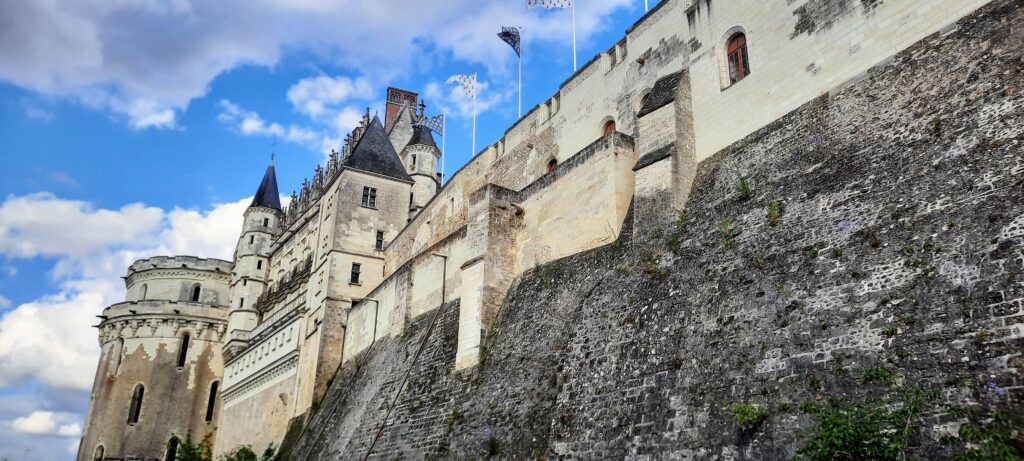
(890, 278)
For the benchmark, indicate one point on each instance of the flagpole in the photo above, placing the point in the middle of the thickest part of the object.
(520, 72)
(574, 35)
(646, 6)
(475, 90)
(444, 139)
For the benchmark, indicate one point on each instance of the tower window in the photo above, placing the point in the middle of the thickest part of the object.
(172, 449)
(211, 404)
(142, 292)
(552, 164)
(259, 264)
(252, 238)
(196, 291)
(98, 455)
(183, 350)
(266, 222)
(136, 406)
(380, 240)
(241, 302)
(354, 278)
(739, 64)
(369, 197)
(609, 128)
(413, 166)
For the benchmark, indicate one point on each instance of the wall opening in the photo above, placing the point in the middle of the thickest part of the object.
(172, 449)
(196, 291)
(552, 165)
(183, 350)
(211, 404)
(354, 277)
(608, 128)
(135, 408)
(379, 243)
(142, 292)
(98, 454)
(736, 56)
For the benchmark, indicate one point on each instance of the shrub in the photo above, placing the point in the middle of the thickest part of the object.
(871, 375)
(773, 213)
(853, 432)
(747, 414)
(743, 188)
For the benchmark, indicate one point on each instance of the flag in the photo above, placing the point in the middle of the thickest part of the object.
(434, 123)
(511, 36)
(549, 3)
(466, 81)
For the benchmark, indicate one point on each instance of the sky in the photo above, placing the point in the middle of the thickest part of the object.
(134, 128)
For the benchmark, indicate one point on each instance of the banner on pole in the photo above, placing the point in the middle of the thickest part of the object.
(511, 36)
(466, 81)
(434, 123)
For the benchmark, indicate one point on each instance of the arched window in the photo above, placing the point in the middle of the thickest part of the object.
(196, 290)
(183, 350)
(98, 454)
(609, 128)
(172, 449)
(136, 406)
(211, 404)
(736, 51)
(552, 164)
(142, 292)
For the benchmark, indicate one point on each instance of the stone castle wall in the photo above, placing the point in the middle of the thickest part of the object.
(893, 266)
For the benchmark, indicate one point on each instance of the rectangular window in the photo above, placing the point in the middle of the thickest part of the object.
(266, 222)
(354, 278)
(413, 166)
(380, 240)
(259, 265)
(241, 302)
(252, 238)
(245, 282)
(369, 197)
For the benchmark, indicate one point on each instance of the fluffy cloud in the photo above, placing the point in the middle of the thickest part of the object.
(147, 60)
(312, 96)
(48, 423)
(50, 340)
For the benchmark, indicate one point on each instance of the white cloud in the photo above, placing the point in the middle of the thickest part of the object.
(50, 339)
(313, 96)
(4, 302)
(48, 423)
(147, 60)
(38, 114)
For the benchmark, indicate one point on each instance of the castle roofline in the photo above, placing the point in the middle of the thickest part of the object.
(181, 262)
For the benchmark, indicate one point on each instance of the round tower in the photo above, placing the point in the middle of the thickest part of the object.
(160, 363)
(421, 157)
(261, 222)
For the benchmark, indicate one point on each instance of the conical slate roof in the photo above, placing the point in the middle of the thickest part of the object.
(374, 153)
(421, 135)
(266, 195)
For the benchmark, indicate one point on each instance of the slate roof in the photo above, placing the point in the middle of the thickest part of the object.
(267, 195)
(421, 135)
(664, 92)
(374, 153)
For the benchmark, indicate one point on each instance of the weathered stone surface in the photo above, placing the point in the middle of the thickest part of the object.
(899, 246)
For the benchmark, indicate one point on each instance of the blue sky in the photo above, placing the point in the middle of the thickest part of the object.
(129, 129)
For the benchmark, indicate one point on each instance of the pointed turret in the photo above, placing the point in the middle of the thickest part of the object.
(374, 153)
(267, 195)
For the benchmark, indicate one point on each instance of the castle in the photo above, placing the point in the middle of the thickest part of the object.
(245, 350)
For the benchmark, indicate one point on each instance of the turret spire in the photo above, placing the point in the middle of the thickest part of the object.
(267, 195)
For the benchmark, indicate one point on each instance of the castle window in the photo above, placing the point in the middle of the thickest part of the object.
(354, 278)
(609, 128)
(552, 164)
(266, 222)
(413, 166)
(142, 292)
(259, 265)
(380, 240)
(245, 282)
(252, 239)
(98, 454)
(736, 51)
(172, 449)
(211, 403)
(241, 302)
(196, 290)
(136, 406)
(183, 350)
(369, 197)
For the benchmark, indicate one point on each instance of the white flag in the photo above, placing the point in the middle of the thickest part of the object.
(549, 3)
(466, 81)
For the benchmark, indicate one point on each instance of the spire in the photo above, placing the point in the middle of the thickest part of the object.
(266, 195)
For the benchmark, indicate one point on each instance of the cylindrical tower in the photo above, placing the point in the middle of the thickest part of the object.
(160, 364)
(421, 157)
(252, 259)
